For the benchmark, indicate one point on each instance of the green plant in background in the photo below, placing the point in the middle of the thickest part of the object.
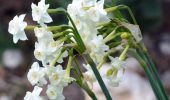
(90, 34)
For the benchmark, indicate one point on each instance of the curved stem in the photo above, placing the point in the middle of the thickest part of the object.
(146, 57)
(122, 7)
(148, 73)
(156, 75)
(76, 33)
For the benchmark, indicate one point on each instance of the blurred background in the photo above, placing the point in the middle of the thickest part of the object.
(15, 59)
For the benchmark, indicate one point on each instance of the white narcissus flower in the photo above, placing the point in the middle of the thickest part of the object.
(97, 13)
(36, 75)
(55, 93)
(43, 35)
(115, 78)
(57, 76)
(16, 28)
(135, 30)
(34, 95)
(117, 63)
(97, 45)
(47, 52)
(40, 14)
(97, 48)
(115, 75)
(40, 51)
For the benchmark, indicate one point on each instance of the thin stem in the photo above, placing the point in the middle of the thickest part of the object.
(146, 57)
(101, 63)
(82, 83)
(123, 54)
(30, 27)
(113, 50)
(57, 28)
(69, 62)
(78, 67)
(148, 73)
(107, 38)
(75, 31)
(159, 85)
(58, 56)
(156, 75)
(122, 7)
(61, 33)
(98, 77)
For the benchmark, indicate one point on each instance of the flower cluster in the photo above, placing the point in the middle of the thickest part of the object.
(89, 27)
(87, 14)
(46, 49)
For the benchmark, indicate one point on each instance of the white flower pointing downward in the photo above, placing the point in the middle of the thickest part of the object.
(16, 28)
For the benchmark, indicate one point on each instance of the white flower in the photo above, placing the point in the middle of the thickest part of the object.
(36, 75)
(89, 12)
(97, 45)
(115, 74)
(97, 48)
(34, 95)
(117, 63)
(16, 28)
(57, 76)
(135, 30)
(47, 55)
(88, 3)
(40, 51)
(115, 78)
(40, 14)
(97, 13)
(43, 35)
(55, 93)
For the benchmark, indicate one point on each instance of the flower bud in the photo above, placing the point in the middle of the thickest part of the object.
(124, 35)
(109, 72)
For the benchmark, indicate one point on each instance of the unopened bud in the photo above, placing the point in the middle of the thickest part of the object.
(124, 35)
(109, 72)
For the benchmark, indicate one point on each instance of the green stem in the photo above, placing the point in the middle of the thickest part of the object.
(78, 67)
(157, 76)
(76, 33)
(69, 62)
(29, 27)
(80, 82)
(101, 63)
(123, 54)
(122, 7)
(148, 73)
(61, 33)
(111, 51)
(58, 28)
(58, 56)
(108, 38)
(146, 57)
(98, 77)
